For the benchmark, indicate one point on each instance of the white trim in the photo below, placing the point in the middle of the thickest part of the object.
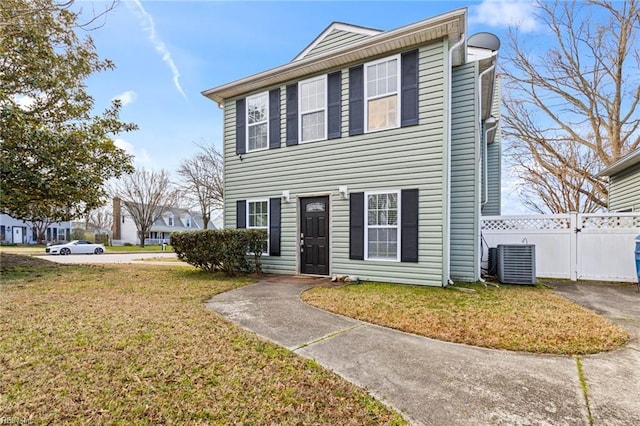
(451, 25)
(366, 225)
(398, 92)
(260, 200)
(246, 117)
(336, 26)
(325, 109)
(299, 198)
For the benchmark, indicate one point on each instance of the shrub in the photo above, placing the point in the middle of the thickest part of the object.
(228, 250)
(128, 245)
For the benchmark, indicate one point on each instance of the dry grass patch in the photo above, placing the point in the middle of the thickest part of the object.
(134, 344)
(515, 318)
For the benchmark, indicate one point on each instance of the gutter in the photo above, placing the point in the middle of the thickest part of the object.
(447, 237)
(485, 163)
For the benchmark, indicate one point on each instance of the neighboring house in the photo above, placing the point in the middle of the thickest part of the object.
(624, 183)
(21, 232)
(363, 155)
(172, 220)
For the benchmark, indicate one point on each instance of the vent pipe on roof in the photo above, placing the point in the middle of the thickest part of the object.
(484, 41)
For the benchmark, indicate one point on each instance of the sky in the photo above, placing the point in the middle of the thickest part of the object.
(167, 52)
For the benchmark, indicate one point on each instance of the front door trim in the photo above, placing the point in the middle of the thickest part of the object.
(302, 199)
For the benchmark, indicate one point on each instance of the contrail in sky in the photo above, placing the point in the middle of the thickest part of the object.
(146, 21)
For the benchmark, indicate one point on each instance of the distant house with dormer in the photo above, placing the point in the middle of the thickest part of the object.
(171, 220)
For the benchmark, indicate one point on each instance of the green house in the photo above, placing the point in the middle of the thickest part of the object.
(371, 153)
(624, 183)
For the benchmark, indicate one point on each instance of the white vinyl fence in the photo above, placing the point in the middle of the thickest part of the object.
(595, 246)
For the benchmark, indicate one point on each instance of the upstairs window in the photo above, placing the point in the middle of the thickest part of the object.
(170, 220)
(382, 104)
(187, 222)
(313, 109)
(258, 122)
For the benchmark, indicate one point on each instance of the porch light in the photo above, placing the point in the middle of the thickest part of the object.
(344, 192)
(286, 196)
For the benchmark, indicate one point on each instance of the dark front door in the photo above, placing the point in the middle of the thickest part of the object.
(314, 235)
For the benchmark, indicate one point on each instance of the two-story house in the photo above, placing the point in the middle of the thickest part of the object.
(365, 155)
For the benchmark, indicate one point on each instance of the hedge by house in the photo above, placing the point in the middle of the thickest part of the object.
(227, 250)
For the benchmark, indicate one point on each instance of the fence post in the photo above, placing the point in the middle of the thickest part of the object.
(575, 220)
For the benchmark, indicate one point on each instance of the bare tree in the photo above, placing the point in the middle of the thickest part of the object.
(573, 108)
(40, 225)
(146, 195)
(202, 180)
(100, 219)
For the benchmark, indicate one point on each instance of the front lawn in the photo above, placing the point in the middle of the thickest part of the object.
(134, 344)
(518, 318)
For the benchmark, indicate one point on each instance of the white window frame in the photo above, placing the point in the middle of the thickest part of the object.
(171, 220)
(322, 78)
(187, 221)
(397, 92)
(266, 120)
(260, 200)
(367, 226)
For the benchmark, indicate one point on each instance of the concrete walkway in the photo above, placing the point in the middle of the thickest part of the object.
(438, 383)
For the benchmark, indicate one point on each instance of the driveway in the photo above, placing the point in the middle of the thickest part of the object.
(439, 383)
(614, 378)
(147, 258)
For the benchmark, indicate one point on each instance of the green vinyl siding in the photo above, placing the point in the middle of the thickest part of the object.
(494, 162)
(334, 40)
(395, 159)
(624, 190)
(464, 174)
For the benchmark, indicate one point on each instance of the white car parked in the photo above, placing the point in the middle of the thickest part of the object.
(75, 247)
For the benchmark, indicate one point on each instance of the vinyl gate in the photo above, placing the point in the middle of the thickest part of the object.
(594, 246)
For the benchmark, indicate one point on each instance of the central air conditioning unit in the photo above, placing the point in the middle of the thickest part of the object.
(517, 264)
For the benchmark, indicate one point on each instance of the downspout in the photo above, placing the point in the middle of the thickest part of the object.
(479, 168)
(485, 148)
(447, 236)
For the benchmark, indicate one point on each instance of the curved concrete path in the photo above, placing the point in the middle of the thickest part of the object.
(433, 382)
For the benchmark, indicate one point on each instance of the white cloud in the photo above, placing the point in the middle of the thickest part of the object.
(140, 156)
(505, 13)
(146, 21)
(126, 98)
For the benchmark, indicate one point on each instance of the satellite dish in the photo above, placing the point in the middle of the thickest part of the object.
(484, 41)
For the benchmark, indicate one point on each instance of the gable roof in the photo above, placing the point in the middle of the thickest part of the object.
(351, 33)
(622, 164)
(452, 25)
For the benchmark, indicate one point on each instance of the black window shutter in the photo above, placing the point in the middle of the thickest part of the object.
(274, 118)
(334, 103)
(356, 100)
(241, 214)
(241, 127)
(409, 225)
(356, 225)
(292, 114)
(274, 226)
(409, 89)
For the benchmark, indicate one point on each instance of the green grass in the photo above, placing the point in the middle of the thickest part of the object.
(39, 249)
(518, 318)
(134, 344)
